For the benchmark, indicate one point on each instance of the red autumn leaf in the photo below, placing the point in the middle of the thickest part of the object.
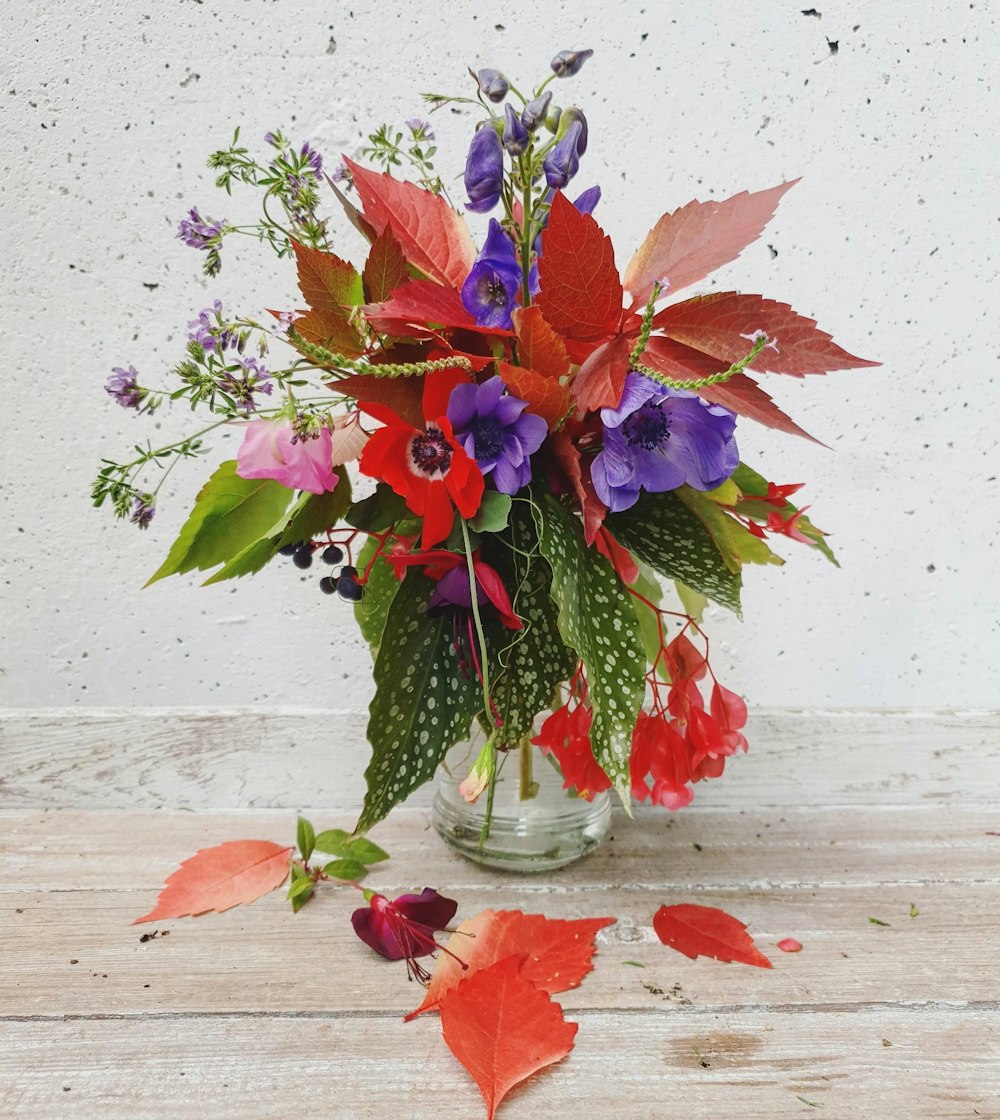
(434, 238)
(418, 303)
(330, 329)
(745, 397)
(705, 931)
(538, 345)
(688, 244)
(219, 878)
(404, 395)
(600, 380)
(593, 509)
(327, 283)
(354, 215)
(558, 951)
(716, 324)
(545, 396)
(581, 295)
(503, 1029)
(385, 267)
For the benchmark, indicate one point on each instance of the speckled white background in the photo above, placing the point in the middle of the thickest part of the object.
(110, 108)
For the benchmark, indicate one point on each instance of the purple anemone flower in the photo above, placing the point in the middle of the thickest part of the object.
(492, 284)
(496, 431)
(484, 170)
(658, 439)
(403, 928)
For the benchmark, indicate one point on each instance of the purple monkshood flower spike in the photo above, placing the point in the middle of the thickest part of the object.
(563, 162)
(491, 287)
(515, 136)
(533, 114)
(484, 170)
(496, 431)
(658, 439)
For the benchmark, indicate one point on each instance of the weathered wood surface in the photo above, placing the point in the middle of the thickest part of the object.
(257, 1014)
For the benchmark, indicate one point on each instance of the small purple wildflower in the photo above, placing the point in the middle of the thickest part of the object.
(491, 287)
(210, 331)
(284, 324)
(421, 129)
(496, 431)
(757, 335)
(340, 174)
(143, 510)
(123, 385)
(484, 170)
(658, 439)
(199, 232)
(244, 379)
(312, 159)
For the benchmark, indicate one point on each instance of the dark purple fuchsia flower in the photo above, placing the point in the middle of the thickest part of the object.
(404, 928)
(568, 63)
(658, 439)
(491, 287)
(484, 170)
(496, 431)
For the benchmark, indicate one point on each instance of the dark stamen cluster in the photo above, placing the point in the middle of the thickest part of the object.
(648, 427)
(431, 453)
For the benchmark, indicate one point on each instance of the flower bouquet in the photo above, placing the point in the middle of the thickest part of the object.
(540, 441)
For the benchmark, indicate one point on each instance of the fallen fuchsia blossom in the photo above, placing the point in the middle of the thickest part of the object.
(790, 945)
(404, 928)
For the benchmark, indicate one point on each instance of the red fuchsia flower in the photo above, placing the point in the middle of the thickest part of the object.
(428, 467)
(566, 736)
(272, 449)
(450, 570)
(404, 928)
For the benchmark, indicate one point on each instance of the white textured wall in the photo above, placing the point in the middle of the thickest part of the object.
(109, 109)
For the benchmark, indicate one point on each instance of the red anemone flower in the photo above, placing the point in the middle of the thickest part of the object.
(428, 468)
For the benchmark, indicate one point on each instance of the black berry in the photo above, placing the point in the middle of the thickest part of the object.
(303, 557)
(332, 554)
(288, 549)
(327, 585)
(348, 588)
(347, 570)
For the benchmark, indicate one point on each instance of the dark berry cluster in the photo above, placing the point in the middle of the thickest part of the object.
(344, 582)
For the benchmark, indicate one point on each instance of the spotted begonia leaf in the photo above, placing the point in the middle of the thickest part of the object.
(597, 619)
(736, 544)
(380, 590)
(664, 533)
(422, 705)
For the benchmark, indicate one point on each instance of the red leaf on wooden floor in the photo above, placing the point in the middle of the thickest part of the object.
(599, 381)
(434, 238)
(503, 1028)
(688, 244)
(580, 293)
(558, 951)
(545, 396)
(539, 347)
(385, 267)
(705, 931)
(219, 878)
(716, 324)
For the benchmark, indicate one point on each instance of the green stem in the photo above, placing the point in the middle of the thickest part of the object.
(528, 787)
(700, 382)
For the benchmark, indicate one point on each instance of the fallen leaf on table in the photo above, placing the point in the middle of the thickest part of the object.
(220, 878)
(503, 1028)
(790, 945)
(558, 952)
(705, 931)
(878, 922)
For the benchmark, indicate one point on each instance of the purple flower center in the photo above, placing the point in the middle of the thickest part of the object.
(430, 454)
(487, 432)
(492, 291)
(648, 427)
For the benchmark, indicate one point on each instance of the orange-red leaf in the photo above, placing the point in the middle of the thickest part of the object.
(705, 931)
(538, 345)
(385, 268)
(219, 878)
(327, 283)
(600, 380)
(716, 324)
(545, 396)
(330, 329)
(503, 1028)
(418, 303)
(581, 295)
(688, 244)
(593, 509)
(434, 238)
(404, 395)
(558, 951)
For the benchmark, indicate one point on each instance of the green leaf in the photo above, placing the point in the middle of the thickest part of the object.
(422, 706)
(364, 851)
(648, 586)
(315, 513)
(331, 840)
(736, 544)
(251, 559)
(755, 485)
(230, 514)
(663, 532)
(378, 511)
(380, 589)
(300, 887)
(692, 601)
(350, 870)
(596, 618)
(529, 664)
(494, 513)
(305, 838)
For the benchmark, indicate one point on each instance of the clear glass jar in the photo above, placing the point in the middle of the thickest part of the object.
(534, 824)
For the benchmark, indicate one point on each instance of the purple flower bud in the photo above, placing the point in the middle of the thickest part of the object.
(515, 136)
(534, 112)
(143, 510)
(569, 116)
(563, 162)
(568, 63)
(493, 85)
(588, 200)
(420, 128)
(484, 170)
(312, 159)
(552, 117)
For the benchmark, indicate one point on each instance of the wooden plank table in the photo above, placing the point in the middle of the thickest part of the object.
(833, 818)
